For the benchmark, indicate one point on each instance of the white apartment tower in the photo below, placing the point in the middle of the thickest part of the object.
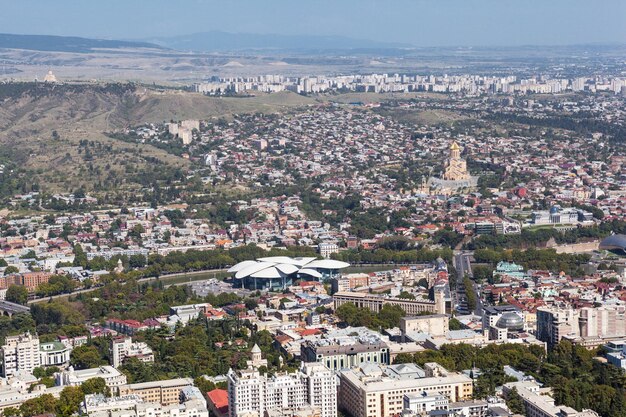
(246, 392)
(250, 393)
(20, 353)
(285, 391)
(123, 347)
(321, 387)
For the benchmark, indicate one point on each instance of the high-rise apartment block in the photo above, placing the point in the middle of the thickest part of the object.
(20, 353)
(252, 394)
(589, 326)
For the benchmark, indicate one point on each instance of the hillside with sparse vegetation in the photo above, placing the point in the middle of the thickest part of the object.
(52, 136)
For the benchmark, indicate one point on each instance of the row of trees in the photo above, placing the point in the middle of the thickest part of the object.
(388, 317)
(196, 260)
(470, 294)
(539, 237)
(421, 255)
(57, 284)
(532, 258)
(202, 347)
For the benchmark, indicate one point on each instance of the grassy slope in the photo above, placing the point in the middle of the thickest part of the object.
(27, 122)
(151, 106)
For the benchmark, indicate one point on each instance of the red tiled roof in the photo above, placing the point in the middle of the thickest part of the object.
(283, 338)
(219, 398)
(309, 332)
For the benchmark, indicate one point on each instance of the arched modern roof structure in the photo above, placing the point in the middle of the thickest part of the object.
(277, 272)
(614, 243)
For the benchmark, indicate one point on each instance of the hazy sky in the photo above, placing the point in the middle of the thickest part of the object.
(419, 22)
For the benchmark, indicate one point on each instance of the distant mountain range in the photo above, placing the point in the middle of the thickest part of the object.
(66, 43)
(224, 41)
(198, 42)
(216, 41)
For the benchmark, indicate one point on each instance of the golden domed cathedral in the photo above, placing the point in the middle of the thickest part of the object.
(455, 167)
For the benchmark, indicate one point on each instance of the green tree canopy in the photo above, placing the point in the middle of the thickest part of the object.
(85, 357)
(17, 294)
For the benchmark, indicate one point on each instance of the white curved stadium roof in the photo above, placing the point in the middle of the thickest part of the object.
(280, 266)
(310, 272)
(287, 268)
(287, 260)
(271, 272)
(241, 265)
(327, 264)
(251, 269)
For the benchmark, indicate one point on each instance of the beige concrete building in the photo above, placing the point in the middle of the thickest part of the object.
(378, 391)
(435, 324)
(163, 392)
(588, 326)
(375, 303)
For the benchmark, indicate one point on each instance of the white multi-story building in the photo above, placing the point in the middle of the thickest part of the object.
(20, 353)
(617, 357)
(124, 347)
(321, 388)
(423, 403)
(54, 354)
(539, 403)
(250, 393)
(326, 249)
(112, 377)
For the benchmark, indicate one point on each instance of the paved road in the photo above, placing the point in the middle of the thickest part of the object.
(13, 308)
(462, 263)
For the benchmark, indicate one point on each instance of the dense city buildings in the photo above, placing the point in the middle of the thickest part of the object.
(258, 224)
(304, 261)
(381, 83)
